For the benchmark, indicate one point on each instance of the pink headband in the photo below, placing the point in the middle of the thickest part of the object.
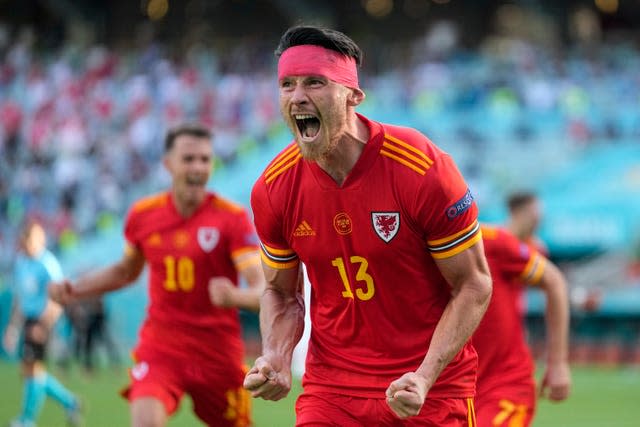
(312, 60)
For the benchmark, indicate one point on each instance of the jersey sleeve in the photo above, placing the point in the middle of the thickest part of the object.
(243, 238)
(275, 250)
(520, 261)
(448, 213)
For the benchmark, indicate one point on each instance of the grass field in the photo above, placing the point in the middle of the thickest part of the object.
(602, 397)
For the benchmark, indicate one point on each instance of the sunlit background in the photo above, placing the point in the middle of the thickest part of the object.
(537, 95)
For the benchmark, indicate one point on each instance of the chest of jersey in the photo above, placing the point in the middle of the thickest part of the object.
(370, 218)
(183, 254)
(360, 243)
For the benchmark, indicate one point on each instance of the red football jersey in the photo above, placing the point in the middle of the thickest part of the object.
(182, 255)
(369, 248)
(504, 359)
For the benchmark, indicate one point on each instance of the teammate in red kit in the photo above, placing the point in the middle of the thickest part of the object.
(506, 390)
(525, 214)
(195, 244)
(389, 235)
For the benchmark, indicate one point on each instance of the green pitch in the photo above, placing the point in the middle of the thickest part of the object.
(601, 397)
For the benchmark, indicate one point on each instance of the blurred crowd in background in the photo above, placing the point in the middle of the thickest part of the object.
(81, 123)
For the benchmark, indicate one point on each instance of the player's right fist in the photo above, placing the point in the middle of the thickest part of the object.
(406, 395)
(61, 292)
(265, 382)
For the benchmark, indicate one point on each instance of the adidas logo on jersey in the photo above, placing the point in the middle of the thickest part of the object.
(304, 229)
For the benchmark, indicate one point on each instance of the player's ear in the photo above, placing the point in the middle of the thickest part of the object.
(166, 162)
(356, 96)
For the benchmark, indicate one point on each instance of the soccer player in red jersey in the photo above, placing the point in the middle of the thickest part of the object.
(506, 390)
(525, 214)
(389, 235)
(195, 243)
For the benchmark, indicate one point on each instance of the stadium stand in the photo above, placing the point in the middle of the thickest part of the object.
(81, 126)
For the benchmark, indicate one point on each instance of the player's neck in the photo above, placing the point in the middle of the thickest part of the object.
(516, 230)
(340, 161)
(186, 207)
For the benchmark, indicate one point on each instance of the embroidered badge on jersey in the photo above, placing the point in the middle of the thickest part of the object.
(386, 224)
(180, 239)
(140, 370)
(460, 206)
(154, 240)
(208, 238)
(342, 223)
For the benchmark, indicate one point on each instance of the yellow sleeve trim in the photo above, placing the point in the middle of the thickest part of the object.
(457, 249)
(239, 253)
(280, 252)
(534, 270)
(439, 242)
(248, 262)
(277, 265)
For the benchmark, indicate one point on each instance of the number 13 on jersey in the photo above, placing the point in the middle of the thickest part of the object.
(364, 292)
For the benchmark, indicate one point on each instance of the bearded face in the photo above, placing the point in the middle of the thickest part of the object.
(315, 109)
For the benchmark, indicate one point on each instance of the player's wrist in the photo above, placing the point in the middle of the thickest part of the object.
(557, 362)
(424, 375)
(71, 289)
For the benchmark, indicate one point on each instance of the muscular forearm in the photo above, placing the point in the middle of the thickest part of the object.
(460, 318)
(281, 324)
(557, 317)
(102, 281)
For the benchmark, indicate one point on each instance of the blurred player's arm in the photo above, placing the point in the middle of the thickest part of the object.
(110, 278)
(281, 327)
(224, 293)
(556, 382)
(12, 331)
(468, 275)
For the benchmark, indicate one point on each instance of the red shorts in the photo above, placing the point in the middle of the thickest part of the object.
(330, 409)
(506, 409)
(217, 394)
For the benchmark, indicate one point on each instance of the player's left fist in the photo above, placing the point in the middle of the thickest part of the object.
(221, 292)
(556, 383)
(406, 395)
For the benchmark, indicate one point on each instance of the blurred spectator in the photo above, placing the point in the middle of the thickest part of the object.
(89, 320)
(89, 117)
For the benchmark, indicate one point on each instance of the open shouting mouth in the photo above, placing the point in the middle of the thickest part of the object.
(308, 126)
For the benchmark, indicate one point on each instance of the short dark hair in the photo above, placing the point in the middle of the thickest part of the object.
(319, 36)
(192, 129)
(519, 199)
